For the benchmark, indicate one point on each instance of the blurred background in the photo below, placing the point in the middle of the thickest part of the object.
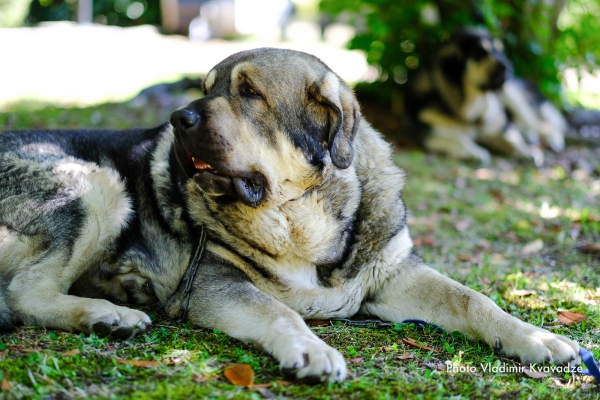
(86, 52)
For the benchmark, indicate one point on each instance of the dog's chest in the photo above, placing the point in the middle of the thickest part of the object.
(302, 290)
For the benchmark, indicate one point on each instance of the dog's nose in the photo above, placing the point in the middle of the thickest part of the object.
(184, 119)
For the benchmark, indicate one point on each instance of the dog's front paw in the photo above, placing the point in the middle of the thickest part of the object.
(107, 319)
(535, 345)
(311, 360)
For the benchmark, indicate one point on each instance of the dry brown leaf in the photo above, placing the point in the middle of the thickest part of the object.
(22, 350)
(283, 383)
(466, 257)
(70, 353)
(406, 356)
(261, 385)
(356, 360)
(5, 382)
(589, 248)
(570, 318)
(239, 374)
(425, 241)
(198, 379)
(522, 292)
(496, 194)
(534, 374)
(138, 363)
(412, 342)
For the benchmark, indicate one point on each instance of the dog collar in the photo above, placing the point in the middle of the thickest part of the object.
(190, 274)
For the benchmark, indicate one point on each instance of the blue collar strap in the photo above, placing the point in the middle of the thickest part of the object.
(588, 360)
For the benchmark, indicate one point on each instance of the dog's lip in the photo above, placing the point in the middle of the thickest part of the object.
(249, 188)
(200, 165)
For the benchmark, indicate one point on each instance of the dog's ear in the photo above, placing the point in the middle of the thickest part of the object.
(343, 116)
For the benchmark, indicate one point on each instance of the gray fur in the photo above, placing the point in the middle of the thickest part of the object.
(300, 197)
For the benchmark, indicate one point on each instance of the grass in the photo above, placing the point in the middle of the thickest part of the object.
(474, 224)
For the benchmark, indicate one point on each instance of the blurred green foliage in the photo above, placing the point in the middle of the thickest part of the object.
(541, 36)
(109, 12)
(13, 12)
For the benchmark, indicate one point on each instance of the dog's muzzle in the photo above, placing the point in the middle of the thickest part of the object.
(185, 119)
(206, 166)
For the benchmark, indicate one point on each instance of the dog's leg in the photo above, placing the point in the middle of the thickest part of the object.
(419, 292)
(224, 298)
(79, 210)
(452, 138)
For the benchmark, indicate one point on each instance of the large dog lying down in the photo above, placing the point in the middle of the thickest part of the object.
(300, 199)
(465, 102)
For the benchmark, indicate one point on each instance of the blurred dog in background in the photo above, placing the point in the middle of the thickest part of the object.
(466, 102)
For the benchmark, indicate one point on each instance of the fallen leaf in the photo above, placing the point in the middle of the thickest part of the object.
(534, 374)
(570, 318)
(70, 353)
(484, 174)
(425, 241)
(522, 292)
(261, 385)
(318, 322)
(239, 374)
(589, 248)
(356, 360)
(484, 244)
(406, 356)
(498, 259)
(5, 382)
(466, 257)
(485, 280)
(138, 363)
(198, 379)
(22, 350)
(497, 195)
(411, 342)
(533, 247)
(462, 225)
(586, 385)
(283, 383)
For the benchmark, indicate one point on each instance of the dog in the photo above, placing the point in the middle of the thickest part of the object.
(265, 202)
(466, 100)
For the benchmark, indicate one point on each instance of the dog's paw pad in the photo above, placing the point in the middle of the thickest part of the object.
(102, 329)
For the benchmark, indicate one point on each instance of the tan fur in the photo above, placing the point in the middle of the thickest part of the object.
(295, 230)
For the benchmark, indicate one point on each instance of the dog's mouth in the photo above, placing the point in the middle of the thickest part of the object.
(249, 187)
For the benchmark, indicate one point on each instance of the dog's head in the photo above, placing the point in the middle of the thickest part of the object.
(474, 58)
(271, 124)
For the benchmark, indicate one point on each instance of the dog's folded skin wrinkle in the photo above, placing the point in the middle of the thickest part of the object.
(301, 201)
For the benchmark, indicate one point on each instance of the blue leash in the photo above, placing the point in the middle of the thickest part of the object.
(588, 360)
(586, 356)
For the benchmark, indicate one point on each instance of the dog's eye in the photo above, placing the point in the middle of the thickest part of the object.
(247, 91)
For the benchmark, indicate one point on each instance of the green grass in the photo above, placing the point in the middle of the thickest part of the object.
(468, 222)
